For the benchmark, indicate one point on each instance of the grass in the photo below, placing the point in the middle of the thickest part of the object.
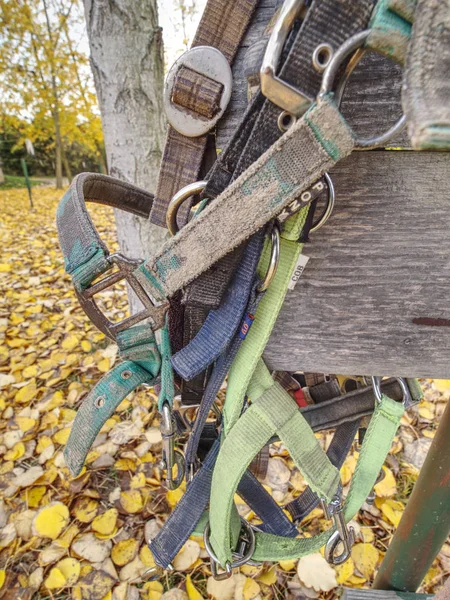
(15, 182)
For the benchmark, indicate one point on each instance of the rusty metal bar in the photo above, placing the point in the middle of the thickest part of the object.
(425, 524)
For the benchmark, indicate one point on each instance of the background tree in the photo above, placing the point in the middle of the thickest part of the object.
(127, 61)
(44, 78)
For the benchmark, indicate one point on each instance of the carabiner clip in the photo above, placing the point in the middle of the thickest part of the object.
(346, 536)
(170, 456)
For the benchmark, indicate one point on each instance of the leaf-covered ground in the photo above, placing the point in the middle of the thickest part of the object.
(86, 537)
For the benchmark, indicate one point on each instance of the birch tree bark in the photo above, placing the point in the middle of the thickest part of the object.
(127, 62)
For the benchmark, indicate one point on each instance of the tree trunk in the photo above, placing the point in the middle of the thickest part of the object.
(66, 164)
(127, 61)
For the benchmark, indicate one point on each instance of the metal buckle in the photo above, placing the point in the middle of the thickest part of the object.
(354, 43)
(170, 456)
(154, 573)
(126, 271)
(177, 200)
(275, 89)
(207, 61)
(407, 399)
(334, 510)
(246, 547)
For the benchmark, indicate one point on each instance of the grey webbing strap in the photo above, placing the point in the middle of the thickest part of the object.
(84, 252)
(309, 148)
(426, 90)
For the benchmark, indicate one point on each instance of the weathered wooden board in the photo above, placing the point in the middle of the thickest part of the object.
(374, 298)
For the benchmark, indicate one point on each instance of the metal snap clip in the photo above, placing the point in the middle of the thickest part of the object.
(211, 63)
(246, 545)
(170, 456)
(177, 200)
(343, 535)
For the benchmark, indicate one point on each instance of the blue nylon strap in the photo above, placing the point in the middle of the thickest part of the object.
(218, 375)
(188, 512)
(221, 323)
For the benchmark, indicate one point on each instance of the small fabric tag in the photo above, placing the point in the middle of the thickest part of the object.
(298, 270)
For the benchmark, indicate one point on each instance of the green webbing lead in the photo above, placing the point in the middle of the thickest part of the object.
(253, 346)
(244, 441)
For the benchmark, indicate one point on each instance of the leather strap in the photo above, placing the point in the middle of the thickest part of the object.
(222, 26)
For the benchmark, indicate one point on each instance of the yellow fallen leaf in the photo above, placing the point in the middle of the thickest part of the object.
(314, 572)
(251, 589)
(29, 372)
(365, 557)
(105, 523)
(393, 511)
(187, 556)
(86, 346)
(192, 591)
(138, 481)
(86, 509)
(174, 496)
(344, 571)
(367, 534)
(347, 469)
(146, 556)
(67, 537)
(55, 580)
(268, 578)
(26, 394)
(3, 577)
(124, 552)
(35, 495)
(5, 267)
(25, 423)
(51, 520)
(287, 565)
(70, 342)
(387, 486)
(442, 385)
(43, 443)
(16, 452)
(131, 501)
(62, 436)
(103, 365)
(426, 410)
(70, 569)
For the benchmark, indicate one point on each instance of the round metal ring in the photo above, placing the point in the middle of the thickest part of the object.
(319, 64)
(274, 258)
(330, 205)
(376, 384)
(241, 560)
(181, 196)
(354, 43)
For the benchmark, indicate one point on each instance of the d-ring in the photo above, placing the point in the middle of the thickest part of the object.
(354, 43)
(274, 258)
(330, 205)
(181, 196)
(241, 559)
(406, 398)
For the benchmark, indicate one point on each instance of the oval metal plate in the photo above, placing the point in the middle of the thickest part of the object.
(210, 62)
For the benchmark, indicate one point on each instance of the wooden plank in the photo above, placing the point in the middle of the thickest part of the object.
(361, 594)
(374, 298)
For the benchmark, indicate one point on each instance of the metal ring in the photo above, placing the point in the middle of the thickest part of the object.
(274, 258)
(330, 205)
(239, 561)
(354, 43)
(318, 64)
(376, 384)
(181, 196)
